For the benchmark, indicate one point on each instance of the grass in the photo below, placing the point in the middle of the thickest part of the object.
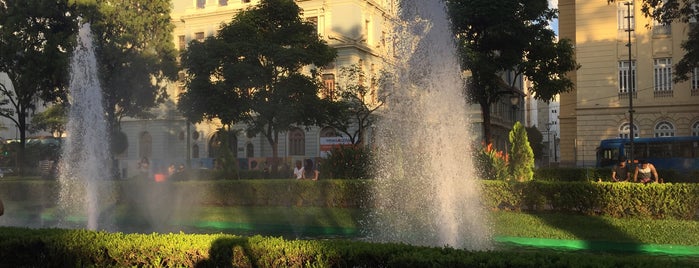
(509, 224)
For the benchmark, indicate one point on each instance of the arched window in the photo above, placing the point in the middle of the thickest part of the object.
(217, 142)
(695, 129)
(329, 132)
(145, 145)
(195, 151)
(297, 142)
(664, 129)
(624, 131)
(249, 150)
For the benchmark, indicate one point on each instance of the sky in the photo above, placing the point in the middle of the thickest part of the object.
(554, 23)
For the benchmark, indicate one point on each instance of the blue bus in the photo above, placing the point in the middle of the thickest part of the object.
(674, 153)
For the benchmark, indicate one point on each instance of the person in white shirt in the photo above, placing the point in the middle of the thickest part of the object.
(298, 170)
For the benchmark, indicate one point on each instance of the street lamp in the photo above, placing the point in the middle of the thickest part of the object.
(514, 100)
(548, 140)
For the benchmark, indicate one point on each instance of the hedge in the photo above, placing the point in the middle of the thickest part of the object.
(653, 201)
(20, 247)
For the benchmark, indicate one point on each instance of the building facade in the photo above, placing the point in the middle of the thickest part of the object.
(611, 73)
(360, 30)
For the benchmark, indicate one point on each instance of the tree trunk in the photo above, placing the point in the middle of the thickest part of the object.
(22, 121)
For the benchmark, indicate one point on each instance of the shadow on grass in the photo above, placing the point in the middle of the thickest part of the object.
(592, 233)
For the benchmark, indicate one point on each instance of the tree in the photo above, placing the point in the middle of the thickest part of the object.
(685, 11)
(53, 119)
(36, 38)
(536, 140)
(521, 155)
(495, 37)
(352, 108)
(136, 55)
(250, 72)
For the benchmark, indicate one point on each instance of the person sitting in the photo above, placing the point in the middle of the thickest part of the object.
(310, 172)
(645, 172)
(298, 170)
(621, 172)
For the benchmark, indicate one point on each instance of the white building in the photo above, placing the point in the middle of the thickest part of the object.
(358, 29)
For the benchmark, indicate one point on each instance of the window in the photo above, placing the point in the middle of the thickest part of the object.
(222, 2)
(329, 132)
(182, 42)
(145, 145)
(199, 36)
(297, 142)
(314, 21)
(328, 86)
(201, 4)
(249, 150)
(695, 82)
(627, 78)
(624, 131)
(664, 129)
(245, 1)
(662, 75)
(695, 129)
(661, 29)
(622, 16)
(195, 151)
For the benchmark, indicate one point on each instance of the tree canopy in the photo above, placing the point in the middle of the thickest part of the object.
(251, 72)
(495, 37)
(36, 38)
(685, 11)
(136, 54)
(357, 98)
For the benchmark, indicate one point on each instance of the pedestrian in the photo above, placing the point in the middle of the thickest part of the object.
(298, 170)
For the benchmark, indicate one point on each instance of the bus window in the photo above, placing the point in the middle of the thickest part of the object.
(660, 150)
(608, 157)
(683, 150)
(640, 150)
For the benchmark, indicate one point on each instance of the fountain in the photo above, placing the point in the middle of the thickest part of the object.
(426, 191)
(85, 156)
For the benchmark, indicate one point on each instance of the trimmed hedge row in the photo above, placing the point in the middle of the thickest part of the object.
(21, 247)
(656, 201)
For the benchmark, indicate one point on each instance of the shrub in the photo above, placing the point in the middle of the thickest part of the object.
(522, 156)
(490, 163)
(347, 162)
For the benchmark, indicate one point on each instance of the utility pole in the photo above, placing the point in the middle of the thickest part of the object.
(631, 90)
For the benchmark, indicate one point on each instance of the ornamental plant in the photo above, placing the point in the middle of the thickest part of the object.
(491, 164)
(522, 156)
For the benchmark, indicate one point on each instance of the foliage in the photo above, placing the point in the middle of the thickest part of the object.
(621, 200)
(535, 141)
(684, 11)
(83, 248)
(250, 72)
(491, 164)
(509, 36)
(36, 38)
(136, 54)
(352, 107)
(348, 162)
(521, 155)
(52, 120)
